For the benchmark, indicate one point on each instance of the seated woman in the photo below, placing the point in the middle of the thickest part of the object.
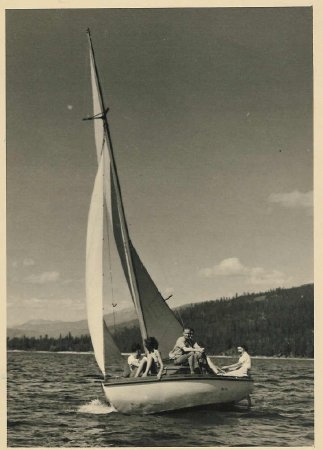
(242, 367)
(134, 360)
(153, 364)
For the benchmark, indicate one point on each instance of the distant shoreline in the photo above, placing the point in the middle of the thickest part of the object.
(126, 354)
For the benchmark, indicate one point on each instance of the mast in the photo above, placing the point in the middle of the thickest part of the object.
(122, 217)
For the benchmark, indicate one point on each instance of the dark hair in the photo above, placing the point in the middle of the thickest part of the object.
(135, 347)
(151, 344)
(244, 346)
(189, 328)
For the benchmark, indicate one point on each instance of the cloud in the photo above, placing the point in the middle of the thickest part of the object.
(42, 278)
(261, 277)
(73, 280)
(293, 199)
(27, 262)
(227, 267)
(232, 267)
(34, 302)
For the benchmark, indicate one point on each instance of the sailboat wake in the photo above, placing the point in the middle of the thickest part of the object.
(96, 407)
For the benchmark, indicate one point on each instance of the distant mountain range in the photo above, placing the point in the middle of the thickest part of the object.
(53, 328)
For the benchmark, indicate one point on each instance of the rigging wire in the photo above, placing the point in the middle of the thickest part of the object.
(108, 232)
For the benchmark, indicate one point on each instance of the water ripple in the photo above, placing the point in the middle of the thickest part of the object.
(66, 408)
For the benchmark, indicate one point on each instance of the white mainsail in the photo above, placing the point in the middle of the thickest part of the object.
(94, 268)
(105, 350)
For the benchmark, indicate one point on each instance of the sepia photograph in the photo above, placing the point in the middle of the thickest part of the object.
(159, 227)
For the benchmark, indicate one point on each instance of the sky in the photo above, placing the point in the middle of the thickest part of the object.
(211, 121)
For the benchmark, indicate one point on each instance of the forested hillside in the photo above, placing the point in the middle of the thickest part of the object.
(279, 322)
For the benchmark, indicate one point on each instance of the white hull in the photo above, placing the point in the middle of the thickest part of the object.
(149, 395)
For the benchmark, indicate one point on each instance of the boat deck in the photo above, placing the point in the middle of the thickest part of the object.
(174, 377)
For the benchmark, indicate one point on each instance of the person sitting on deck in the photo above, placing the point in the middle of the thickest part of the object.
(153, 364)
(187, 351)
(133, 361)
(242, 367)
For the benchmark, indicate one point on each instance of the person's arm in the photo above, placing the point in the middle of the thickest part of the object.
(242, 361)
(190, 349)
(181, 344)
(193, 348)
(232, 366)
(198, 348)
(161, 365)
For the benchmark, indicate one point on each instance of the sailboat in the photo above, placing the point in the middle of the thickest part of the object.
(144, 395)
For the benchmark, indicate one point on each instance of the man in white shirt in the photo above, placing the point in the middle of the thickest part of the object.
(242, 367)
(187, 350)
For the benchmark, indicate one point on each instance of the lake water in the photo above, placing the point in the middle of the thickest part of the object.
(54, 400)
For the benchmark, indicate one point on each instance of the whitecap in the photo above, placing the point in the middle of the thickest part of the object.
(96, 407)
